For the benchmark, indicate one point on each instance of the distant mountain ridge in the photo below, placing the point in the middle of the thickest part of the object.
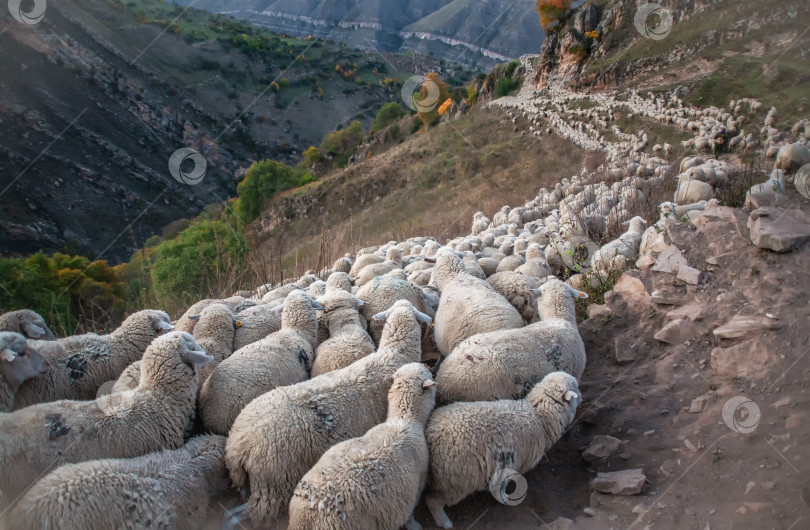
(478, 33)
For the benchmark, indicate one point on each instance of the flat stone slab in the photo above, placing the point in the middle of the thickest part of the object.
(744, 326)
(626, 482)
(778, 229)
(669, 260)
(601, 447)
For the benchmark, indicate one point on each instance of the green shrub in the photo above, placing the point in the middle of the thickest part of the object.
(263, 180)
(505, 86)
(388, 114)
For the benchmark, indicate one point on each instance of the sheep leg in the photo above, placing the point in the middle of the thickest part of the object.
(233, 518)
(412, 524)
(436, 508)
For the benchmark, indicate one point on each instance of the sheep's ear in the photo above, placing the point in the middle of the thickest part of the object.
(165, 326)
(429, 383)
(195, 318)
(317, 305)
(33, 331)
(360, 303)
(389, 378)
(8, 355)
(537, 292)
(196, 357)
(352, 280)
(569, 395)
(381, 316)
(278, 309)
(423, 318)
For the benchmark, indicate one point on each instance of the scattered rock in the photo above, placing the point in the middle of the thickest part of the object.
(632, 286)
(762, 199)
(669, 260)
(744, 326)
(689, 274)
(699, 403)
(561, 523)
(645, 262)
(599, 311)
(794, 420)
(778, 229)
(625, 352)
(601, 447)
(665, 298)
(693, 311)
(676, 332)
(746, 359)
(626, 482)
(784, 402)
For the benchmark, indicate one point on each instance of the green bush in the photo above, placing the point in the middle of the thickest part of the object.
(388, 114)
(263, 180)
(505, 86)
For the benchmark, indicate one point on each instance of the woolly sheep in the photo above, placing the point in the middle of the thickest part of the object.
(257, 322)
(123, 425)
(474, 445)
(282, 358)
(488, 265)
(690, 191)
(166, 489)
(517, 288)
(279, 436)
(535, 265)
(348, 340)
(382, 293)
(791, 157)
(468, 305)
(507, 364)
(18, 362)
(363, 260)
(26, 322)
(351, 486)
(480, 223)
(82, 363)
(280, 293)
(214, 333)
(234, 303)
(393, 260)
(620, 253)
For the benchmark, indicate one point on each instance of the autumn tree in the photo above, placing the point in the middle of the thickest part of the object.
(551, 12)
(432, 94)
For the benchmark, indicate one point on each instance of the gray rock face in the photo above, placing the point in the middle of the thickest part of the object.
(778, 229)
(601, 447)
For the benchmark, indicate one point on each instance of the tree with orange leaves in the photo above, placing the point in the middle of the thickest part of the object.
(433, 92)
(551, 11)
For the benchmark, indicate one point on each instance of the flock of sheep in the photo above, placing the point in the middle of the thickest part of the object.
(314, 398)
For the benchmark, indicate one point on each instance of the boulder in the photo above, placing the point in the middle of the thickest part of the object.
(689, 274)
(676, 332)
(669, 260)
(746, 359)
(745, 326)
(778, 229)
(601, 447)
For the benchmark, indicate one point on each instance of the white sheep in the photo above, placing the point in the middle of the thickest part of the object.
(165, 489)
(518, 289)
(214, 333)
(468, 305)
(619, 254)
(380, 295)
(234, 303)
(80, 364)
(480, 223)
(279, 436)
(348, 340)
(280, 293)
(351, 486)
(18, 363)
(123, 425)
(475, 445)
(257, 322)
(26, 322)
(393, 261)
(507, 364)
(282, 358)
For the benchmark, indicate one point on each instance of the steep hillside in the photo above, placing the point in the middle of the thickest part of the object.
(100, 93)
(474, 32)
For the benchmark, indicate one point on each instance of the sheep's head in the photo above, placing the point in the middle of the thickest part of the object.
(18, 361)
(412, 393)
(215, 322)
(158, 321)
(558, 392)
(32, 325)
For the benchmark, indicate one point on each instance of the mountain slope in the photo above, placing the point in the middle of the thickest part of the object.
(127, 88)
(477, 33)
